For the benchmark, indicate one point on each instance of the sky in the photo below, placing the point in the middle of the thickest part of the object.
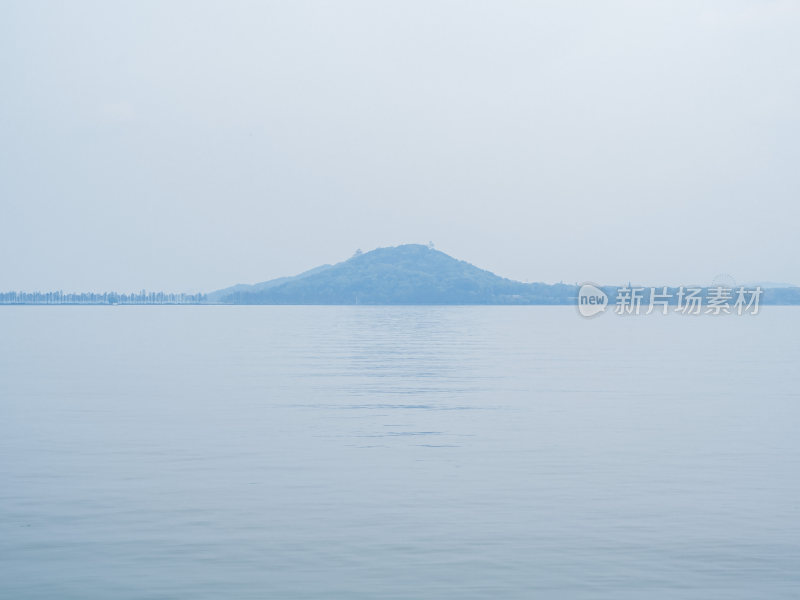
(188, 146)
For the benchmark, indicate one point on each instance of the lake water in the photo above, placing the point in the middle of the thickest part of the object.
(161, 452)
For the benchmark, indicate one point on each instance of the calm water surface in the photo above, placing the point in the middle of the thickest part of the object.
(397, 452)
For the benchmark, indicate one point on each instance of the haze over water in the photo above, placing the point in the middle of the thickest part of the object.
(397, 452)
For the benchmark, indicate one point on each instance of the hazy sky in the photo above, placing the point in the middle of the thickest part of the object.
(192, 145)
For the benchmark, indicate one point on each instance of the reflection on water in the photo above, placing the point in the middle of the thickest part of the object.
(397, 452)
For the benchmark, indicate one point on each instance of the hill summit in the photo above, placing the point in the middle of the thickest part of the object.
(406, 274)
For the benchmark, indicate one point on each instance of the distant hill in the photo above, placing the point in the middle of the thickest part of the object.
(417, 274)
(407, 274)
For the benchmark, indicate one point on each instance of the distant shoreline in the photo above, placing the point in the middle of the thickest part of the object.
(99, 304)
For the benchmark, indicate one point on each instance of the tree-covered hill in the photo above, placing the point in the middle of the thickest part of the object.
(407, 274)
